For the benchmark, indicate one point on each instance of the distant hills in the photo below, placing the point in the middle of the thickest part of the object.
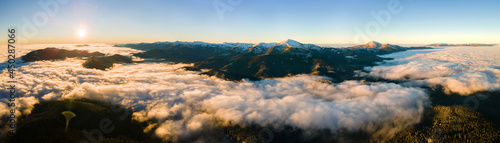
(95, 60)
(52, 53)
(467, 44)
(235, 61)
(385, 48)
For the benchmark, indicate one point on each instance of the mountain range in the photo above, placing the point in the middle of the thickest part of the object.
(383, 48)
(236, 61)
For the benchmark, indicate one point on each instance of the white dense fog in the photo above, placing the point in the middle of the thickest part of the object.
(164, 92)
(463, 70)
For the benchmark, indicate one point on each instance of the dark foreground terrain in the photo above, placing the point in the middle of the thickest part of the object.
(94, 121)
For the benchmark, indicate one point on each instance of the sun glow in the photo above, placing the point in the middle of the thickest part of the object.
(81, 32)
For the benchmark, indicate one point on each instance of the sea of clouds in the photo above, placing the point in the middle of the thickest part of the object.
(185, 103)
(463, 70)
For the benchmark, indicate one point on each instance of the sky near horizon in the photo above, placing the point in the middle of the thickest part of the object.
(251, 21)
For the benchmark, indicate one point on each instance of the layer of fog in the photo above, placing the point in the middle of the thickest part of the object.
(462, 70)
(184, 102)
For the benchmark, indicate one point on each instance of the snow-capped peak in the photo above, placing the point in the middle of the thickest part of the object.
(291, 43)
(266, 45)
(372, 44)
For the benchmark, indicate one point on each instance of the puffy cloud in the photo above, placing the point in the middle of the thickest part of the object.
(462, 70)
(469, 82)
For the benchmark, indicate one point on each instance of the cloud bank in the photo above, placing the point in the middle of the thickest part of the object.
(462, 70)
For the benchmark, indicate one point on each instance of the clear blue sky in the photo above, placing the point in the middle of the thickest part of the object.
(311, 21)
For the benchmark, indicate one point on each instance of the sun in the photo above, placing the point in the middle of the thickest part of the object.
(81, 32)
